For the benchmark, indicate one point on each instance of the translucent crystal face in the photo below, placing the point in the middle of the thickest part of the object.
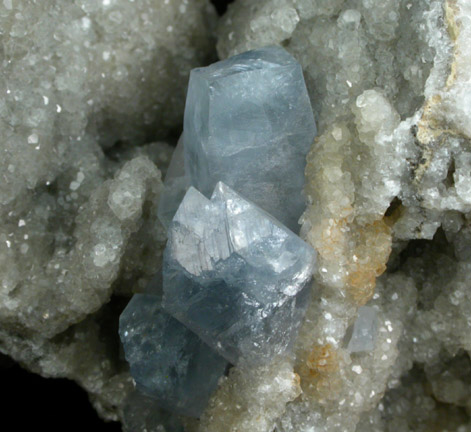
(249, 123)
(364, 330)
(235, 275)
(168, 361)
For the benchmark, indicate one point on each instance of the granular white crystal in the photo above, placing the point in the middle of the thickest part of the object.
(79, 71)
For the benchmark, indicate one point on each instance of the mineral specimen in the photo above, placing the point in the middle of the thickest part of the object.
(235, 276)
(87, 89)
(87, 86)
(167, 360)
(251, 112)
(364, 330)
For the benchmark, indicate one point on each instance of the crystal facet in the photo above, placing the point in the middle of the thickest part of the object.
(364, 330)
(251, 111)
(168, 361)
(235, 276)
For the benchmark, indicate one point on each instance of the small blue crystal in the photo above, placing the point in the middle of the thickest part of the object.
(236, 276)
(168, 362)
(249, 123)
(364, 330)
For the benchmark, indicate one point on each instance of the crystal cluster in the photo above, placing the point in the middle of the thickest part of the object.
(232, 274)
(237, 279)
(236, 276)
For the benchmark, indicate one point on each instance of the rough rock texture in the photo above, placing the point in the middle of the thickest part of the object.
(83, 83)
(260, 393)
(388, 181)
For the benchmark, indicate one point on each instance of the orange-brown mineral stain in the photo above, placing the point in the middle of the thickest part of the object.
(332, 237)
(318, 372)
(368, 261)
(322, 359)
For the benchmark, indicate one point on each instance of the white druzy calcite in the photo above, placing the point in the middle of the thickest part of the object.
(236, 276)
(249, 123)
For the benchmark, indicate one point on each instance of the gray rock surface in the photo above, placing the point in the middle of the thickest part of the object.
(86, 87)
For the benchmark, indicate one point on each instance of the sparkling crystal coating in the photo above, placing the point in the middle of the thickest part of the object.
(235, 276)
(168, 361)
(364, 330)
(251, 111)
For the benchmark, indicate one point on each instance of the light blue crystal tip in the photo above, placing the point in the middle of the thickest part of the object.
(236, 276)
(249, 123)
(363, 333)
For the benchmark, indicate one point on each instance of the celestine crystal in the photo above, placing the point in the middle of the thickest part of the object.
(236, 276)
(168, 362)
(249, 123)
(364, 330)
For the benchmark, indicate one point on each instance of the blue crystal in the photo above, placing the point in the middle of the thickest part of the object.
(363, 331)
(168, 362)
(235, 276)
(249, 123)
